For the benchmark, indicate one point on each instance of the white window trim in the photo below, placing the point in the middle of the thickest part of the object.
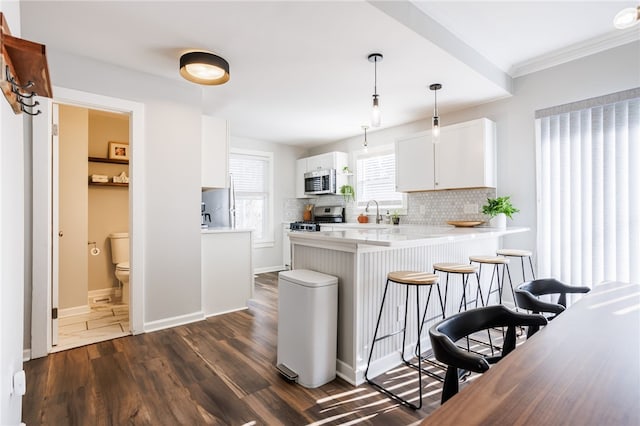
(371, 152)
(269, 240)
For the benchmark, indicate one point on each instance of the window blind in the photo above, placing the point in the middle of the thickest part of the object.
(376, 179)
(588, 190)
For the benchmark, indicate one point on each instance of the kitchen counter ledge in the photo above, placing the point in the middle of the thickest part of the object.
(402, 235)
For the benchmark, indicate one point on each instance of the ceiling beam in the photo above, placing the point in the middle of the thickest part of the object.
(412, 17)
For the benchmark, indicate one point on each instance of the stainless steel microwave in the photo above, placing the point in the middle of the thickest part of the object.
(320, 182)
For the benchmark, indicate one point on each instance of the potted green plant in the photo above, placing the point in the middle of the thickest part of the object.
(395, 218)
(348, 193)
(498, 210)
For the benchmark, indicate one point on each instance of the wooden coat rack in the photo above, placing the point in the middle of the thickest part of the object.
(24, 71)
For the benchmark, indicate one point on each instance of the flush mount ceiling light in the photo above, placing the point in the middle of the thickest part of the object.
(435, 120)
(375, 112)
(204, 68)
(365, 145)
(627, 18)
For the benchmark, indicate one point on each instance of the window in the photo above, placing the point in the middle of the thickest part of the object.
(589, 190)
(252, 173)
(376, 179)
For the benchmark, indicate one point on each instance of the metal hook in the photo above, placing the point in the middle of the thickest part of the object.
(20, 95)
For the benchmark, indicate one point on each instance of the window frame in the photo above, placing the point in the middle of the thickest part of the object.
(268, 239)
(377, 152)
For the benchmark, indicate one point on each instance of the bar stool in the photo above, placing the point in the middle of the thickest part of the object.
(521, 254)
(408, 279)
(496, 261)
(465, 270)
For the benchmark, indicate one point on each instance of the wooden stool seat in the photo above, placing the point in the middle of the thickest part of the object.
(455, 268)
(514, 252)
(521, 254)
(413, 277)
(499, 260)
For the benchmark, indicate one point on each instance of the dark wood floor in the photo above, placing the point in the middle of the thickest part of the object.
(219, 371)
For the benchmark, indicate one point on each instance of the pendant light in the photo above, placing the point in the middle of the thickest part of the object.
(204, 68)
(627, 18)
(435, 120)
(365, 144)
(375, 112)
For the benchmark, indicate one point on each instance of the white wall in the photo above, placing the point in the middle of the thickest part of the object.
(12, 234)
(606, 72)
(284, 164)
(172, 178)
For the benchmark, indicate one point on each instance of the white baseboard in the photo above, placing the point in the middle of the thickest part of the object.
(269, 269)
(173, 322)
(76, 310)
(226, 312)
(26, 355)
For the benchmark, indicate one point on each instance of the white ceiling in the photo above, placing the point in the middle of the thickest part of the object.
(299, 69)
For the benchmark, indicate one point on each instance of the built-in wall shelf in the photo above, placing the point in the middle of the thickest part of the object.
(107, 160)
(124, 185)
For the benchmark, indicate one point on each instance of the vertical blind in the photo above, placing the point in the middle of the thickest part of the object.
(588, 189)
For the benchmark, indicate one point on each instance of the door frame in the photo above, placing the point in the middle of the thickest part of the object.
(43, 225)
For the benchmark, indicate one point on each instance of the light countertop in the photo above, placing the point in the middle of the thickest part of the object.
(401, 235)
(222, 230)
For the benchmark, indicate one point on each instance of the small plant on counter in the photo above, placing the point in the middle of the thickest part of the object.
(348, 193)
(495, 206)
(395, 217)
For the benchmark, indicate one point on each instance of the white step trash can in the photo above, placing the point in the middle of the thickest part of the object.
(307, 326)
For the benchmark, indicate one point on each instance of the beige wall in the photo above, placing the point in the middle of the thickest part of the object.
(72, 287)
(108, 206)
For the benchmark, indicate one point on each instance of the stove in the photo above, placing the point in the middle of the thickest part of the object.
(304, 226)
(323, 214)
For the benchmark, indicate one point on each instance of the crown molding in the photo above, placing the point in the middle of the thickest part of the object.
(576, 51)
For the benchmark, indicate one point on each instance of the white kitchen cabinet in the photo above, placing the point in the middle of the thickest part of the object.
(227, 271)
(414, 163)
(215, 152)
(464, 158)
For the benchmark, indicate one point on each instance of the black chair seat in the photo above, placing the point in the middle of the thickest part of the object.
(444, 335)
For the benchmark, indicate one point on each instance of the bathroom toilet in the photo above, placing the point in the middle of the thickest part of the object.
(120, 257)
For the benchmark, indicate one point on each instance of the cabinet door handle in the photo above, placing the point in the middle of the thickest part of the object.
(60, 234)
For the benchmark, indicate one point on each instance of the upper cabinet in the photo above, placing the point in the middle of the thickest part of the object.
(215, 152)
(330, 160)
(464, 158)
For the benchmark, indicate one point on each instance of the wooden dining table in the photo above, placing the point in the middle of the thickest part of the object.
(583, 368)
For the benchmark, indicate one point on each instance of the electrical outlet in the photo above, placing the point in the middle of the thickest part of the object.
(423, 209)
(471, 208)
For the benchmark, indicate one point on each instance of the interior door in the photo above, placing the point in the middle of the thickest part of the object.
(55, 218)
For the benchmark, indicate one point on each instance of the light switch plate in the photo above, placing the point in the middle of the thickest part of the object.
(19, 383)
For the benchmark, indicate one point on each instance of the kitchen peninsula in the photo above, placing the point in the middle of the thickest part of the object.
(361, 257)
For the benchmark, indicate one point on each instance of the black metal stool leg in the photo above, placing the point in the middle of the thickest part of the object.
(531, 264)
(375, 333)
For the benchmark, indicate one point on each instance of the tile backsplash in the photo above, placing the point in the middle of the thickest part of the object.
(424, 208)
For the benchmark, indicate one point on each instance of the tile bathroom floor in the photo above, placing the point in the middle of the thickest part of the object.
(106, 321)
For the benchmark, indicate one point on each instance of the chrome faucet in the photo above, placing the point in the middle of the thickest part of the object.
(378, 217)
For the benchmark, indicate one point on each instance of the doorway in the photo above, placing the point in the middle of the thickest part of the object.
(45, 233)
(91, 288)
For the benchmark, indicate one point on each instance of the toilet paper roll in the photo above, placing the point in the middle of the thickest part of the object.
(95, 251)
